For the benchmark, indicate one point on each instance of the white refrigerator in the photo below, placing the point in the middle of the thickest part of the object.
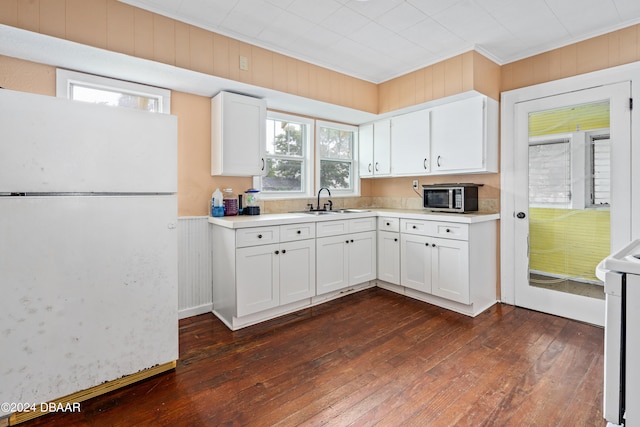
(88, 245)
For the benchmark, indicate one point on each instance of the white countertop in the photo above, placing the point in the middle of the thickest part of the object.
(245, 221)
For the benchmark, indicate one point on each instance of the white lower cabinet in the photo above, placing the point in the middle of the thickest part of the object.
(345, 260)
(257, 278)
(271, 275)
(297, 271)
(389, 256)
(263, 272)
(451, 261)
(415, 262)
(450, 270)
(345, 253)
(258, 270)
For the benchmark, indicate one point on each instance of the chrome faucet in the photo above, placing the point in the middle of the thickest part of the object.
(325, 206)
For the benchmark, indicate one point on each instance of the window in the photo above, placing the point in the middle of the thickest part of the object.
(550, 173)
(570, 156)
(336, 151)
(600, 194)
(288, 157)
(106, 91)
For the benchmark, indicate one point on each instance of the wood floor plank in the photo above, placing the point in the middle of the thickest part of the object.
(371, 358)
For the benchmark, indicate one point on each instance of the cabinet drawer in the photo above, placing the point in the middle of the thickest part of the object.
(257, 236)
(452, 230)
(416, 226)
(388, 224)
(293, 232)
(331, 228)
(362, 224)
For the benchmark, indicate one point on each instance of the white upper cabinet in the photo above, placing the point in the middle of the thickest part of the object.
(453, 138)
(464, 136)
(375, 149)
(410, 143)
(238, 135)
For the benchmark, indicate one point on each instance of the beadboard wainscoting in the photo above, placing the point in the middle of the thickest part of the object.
(194, 266)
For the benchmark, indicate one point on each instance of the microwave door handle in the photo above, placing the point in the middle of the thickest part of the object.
(450, 198)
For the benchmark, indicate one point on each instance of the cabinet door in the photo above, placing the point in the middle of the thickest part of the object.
(382, 148)
(331, 264)
(450, 275)
(362, 257)
(410, 143)
(389, 257)
(365, 149)
(297, 270)
(415, 262)
(257, 279)
(238, 135)
(458, 135)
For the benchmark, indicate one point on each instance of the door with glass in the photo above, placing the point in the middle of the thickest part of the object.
(572, 157)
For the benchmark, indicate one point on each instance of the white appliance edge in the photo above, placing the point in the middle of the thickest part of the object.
(88, 278)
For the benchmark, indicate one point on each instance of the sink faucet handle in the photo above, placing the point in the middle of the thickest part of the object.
(310, 206)
(330, 204)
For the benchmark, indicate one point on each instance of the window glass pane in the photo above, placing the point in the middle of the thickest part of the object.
(285, 138)
(573, 118)
(336, 143)
(335, 174)
(283, 175)
(114, 98)
(601, 172)
(550, 174)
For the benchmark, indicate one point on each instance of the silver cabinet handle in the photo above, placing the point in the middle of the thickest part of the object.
(262, 168)
(377, 167)
(438, 161)
(424, 163)
(369, 167)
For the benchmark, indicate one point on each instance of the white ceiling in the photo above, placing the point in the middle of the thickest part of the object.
(377, 40)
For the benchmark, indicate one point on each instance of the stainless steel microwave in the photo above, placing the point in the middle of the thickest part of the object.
(459, 198)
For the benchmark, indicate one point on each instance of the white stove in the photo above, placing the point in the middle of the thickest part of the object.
(621, 272)
(626, 260)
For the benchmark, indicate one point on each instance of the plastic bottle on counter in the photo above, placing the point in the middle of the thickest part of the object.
(218, 207)
(230, 202)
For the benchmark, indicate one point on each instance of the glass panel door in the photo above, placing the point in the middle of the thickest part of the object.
(568, 232)
(570, 151)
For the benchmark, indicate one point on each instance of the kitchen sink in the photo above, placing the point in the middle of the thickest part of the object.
(352, 210)
(337, 211)
(317, 212)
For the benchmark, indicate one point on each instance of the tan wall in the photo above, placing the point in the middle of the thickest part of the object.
(109, 24)
(598, 53)
(462, 73)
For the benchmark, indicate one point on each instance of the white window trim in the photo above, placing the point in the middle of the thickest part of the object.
(308, 164)
(355, 173)
(65, 78)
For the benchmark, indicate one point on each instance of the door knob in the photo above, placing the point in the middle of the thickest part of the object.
(521, 215)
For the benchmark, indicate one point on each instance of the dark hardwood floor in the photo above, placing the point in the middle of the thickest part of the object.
(371, 358)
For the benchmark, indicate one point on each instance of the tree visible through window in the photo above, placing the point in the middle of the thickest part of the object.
(336, 152)
(287, 155)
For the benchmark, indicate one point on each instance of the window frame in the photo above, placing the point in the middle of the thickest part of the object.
(581, 166)
(307, 160)
(354, 191)
(66, 78)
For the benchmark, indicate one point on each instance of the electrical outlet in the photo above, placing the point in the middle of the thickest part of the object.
(415, 184)
(244, 63)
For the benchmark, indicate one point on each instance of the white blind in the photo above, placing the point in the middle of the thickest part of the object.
(550, 174)
(601, 171)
